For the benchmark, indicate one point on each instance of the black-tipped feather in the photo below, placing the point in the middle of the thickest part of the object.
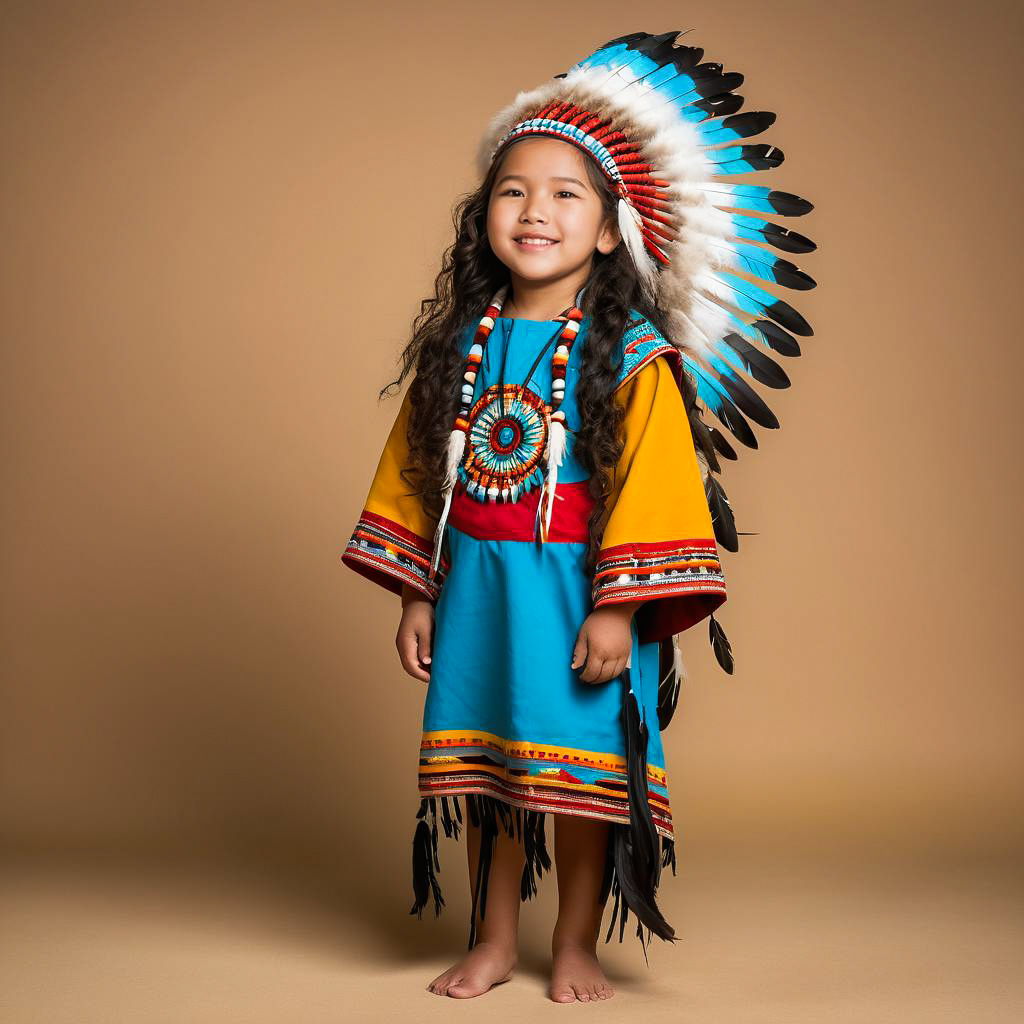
(722, 105)
(787, 317)
(788, 204)
(749, 401)
(761, 367)
(749, 123)
(732, 418)
(786, 240)
(789, 275)
(776, 338)
(761, 156)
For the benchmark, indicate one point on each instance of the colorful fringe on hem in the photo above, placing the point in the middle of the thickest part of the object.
(633, 861)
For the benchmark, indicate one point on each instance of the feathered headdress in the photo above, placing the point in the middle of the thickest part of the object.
(663, 127)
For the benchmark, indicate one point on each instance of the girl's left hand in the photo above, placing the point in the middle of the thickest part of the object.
(604, 643)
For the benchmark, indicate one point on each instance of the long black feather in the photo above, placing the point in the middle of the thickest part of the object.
(720, 644)
(637, 860)
(425, 864)
(668, 683)
(722, 445)
(485, 817)
(722, 520)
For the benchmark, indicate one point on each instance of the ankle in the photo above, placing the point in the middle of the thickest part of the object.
(506, 945)
(574, 938)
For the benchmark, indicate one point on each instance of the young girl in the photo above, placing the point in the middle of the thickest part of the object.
(544, 503)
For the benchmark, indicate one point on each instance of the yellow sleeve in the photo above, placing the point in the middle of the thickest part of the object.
(393, 540)
(658, 544)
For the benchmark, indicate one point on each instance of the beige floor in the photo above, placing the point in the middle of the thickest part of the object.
(83, 945)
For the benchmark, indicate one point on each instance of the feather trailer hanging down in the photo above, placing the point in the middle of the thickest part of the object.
(488, 814)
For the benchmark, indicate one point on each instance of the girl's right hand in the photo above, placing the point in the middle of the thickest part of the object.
(413, 639)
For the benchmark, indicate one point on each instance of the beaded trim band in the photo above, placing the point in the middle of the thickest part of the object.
(556, 443)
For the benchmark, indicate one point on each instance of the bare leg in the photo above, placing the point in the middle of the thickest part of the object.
(580, 845)
(494, 956)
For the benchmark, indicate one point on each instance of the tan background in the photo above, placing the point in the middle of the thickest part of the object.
(218, 221)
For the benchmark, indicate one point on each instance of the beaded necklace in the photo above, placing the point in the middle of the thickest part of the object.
(551, 420)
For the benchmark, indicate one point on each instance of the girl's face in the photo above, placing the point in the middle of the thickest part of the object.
(542, 191)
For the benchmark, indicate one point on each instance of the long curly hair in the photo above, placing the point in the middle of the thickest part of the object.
(470, 274)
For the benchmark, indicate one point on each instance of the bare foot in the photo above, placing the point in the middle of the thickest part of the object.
(576, 975)
(485, 965)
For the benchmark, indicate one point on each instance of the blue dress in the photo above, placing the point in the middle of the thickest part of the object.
(508, 725)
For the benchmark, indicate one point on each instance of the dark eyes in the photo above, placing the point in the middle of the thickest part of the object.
(560, 192)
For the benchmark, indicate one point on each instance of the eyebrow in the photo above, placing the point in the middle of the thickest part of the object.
(520, 177)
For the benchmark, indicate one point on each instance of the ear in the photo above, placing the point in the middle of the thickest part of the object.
(609, 237)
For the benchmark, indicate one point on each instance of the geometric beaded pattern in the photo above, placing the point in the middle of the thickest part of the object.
(389, 554)
(629, 572)
(642, 342)
(537, 777)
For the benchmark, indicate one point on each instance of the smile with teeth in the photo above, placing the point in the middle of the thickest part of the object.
(536, 243)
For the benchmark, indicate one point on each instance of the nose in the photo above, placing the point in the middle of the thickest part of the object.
(535, 210)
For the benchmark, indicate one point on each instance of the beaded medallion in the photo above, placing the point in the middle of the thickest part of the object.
(508, 433)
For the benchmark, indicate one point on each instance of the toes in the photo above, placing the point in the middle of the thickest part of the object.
(453, 983)
(439, 985)
(582, 994)
(464, 990)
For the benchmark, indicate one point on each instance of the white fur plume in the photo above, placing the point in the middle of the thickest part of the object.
(629, 227)
(556, 450)
(456, 449)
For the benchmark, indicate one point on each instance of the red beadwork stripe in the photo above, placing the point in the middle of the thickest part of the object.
(444, 775)
(671, 605)
(379, 562)
(543, 799)
(414, 541)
